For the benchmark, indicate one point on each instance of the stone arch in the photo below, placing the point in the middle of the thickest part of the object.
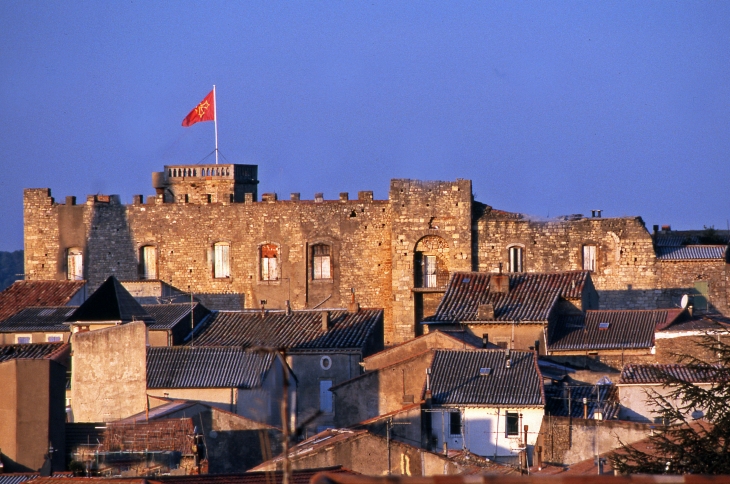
(431, 262)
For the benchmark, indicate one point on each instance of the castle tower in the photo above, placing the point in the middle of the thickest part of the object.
(200, 184)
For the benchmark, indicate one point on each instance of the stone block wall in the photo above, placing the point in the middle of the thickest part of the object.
(679, 277)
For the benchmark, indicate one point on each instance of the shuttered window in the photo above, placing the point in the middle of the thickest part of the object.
(321, 262)
(149, 262)
(429, 271)
(75, 265)
(269, 262)
(222, 263)
(515, 259)
(589, 258)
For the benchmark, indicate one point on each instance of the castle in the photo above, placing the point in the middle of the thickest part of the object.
(205, 231)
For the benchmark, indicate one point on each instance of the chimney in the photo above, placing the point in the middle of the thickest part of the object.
(288, 308)
(353, 307)
(499, 283)
(656, 229)
(585, 408)
(666, 228)
(537, 346)
(325, 320)
(507, 362)
(485, 340)
(485, 312)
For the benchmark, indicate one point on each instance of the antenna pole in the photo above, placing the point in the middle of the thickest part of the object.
(215, 121)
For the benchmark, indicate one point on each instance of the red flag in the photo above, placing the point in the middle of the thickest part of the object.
(205, 111)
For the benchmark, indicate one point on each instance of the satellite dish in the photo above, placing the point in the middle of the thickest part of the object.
(685, 301)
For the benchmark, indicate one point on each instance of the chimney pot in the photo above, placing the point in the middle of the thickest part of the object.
(325, 320)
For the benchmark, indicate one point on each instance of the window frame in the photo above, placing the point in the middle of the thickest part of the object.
(515, 265)
(320, 261)
(265, 264)
(592, 258)
(143, 265)
(452, 419)
(512, 419)
(23, 335)
(222, 260)
(54, 335)
(78, 274)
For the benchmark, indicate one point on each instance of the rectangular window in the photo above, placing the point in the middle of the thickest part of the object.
(325, 396)
(429, 271)
(455, 423)
(321, 262)
(589, 258)
(54, 338)
(513, 424)
(23, 339)
(75, 265)
(222, 266)
(701, 291)
(515, 259)
(269, 262)
(149, 262)
(502, 343)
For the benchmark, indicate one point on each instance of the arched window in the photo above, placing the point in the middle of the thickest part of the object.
(269, 262)
(148, 262)
(430, 262)
(321, 262)
(74, 264)
(515, 258)
(222, 263)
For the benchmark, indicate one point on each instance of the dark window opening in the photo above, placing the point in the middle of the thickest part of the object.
(455, 423)
(513, 424)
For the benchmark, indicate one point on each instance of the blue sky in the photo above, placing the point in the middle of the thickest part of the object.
(549, 107)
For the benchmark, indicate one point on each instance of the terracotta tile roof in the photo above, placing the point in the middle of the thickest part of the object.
(657, 374)
(692, 252)
(302, 330)
(35, 351)
(456, 378)
(531, 295)
(302, 476)
(608, 329)
(160, 435)
(206, 367)
(23, 294)
(603, 398)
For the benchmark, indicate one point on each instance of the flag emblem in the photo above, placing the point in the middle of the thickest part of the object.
(204, 111)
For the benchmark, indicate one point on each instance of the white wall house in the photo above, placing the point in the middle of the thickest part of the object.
(481, 401)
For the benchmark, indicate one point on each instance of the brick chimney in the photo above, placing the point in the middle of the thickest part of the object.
(325, 320)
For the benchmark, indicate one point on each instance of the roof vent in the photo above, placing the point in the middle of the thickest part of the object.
(603, 325)
(485, 371)
(485, 312)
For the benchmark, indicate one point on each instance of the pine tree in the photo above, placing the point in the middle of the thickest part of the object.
(687, 446)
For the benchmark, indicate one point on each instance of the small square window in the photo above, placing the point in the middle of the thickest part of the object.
(23, 339)
(54, 338)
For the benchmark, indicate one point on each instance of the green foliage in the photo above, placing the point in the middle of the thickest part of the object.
(11, 264)
(688, 446)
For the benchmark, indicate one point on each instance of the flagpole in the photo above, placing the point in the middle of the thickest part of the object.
(215, 121)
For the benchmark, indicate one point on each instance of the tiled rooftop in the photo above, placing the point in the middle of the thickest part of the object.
(36, 351)
(609, 329)
(531, 295)
(653, 374)
(201, 367)
(456, 378)
(302, 330)
(167, 316)
(23, 294)
(692, 252)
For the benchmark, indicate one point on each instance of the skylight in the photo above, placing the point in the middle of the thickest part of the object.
(485, 371)
(603, 325)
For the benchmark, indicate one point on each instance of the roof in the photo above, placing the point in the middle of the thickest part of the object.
(201, 367)
(221, 302)
(603, 398)
(167, 316)
(456, 379)
(318, 442)
(531, 296)
(658, 374)
(625, 329)
(23, 294)
(160, 435)
(53, 319)
(38, 319)
(692, 252)
(302, 330)
(676, 238)
(18, 477)
(35, 351)
(299, 476)
(110, 302)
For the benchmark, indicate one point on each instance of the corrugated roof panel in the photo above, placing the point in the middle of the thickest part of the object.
(653, 374)
(626, 329)
(35, 351)
(691, 252)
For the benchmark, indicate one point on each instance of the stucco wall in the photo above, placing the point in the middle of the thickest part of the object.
(109, 373)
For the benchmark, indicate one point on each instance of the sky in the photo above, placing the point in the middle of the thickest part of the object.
(550, 108)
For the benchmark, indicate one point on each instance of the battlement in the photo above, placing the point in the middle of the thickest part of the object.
(206, 183)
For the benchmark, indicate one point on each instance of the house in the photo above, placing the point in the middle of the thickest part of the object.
(490, 402)
(639, 382)
(25, 294)
(374, 455)
(32, 415)
(598, 402)
(512, 310)
(323, 348)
